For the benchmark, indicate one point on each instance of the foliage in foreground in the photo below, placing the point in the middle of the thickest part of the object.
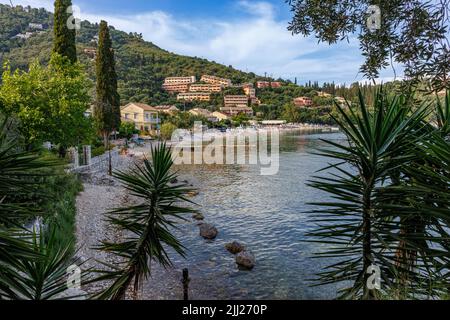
(411, 33)
(389, 204)
(32, 265)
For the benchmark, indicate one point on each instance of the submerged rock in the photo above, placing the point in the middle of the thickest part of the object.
(235, 247)
(208, 231)
(246, 260)
(174, 180)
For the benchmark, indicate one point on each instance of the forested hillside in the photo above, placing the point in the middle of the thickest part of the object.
(141, 65)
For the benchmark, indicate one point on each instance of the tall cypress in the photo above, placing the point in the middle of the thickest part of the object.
(64, 37)
(108, 99)
(107, 106)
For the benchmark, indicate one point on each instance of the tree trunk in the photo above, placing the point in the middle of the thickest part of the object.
(110, 161)
(368, 294)
(62, 152)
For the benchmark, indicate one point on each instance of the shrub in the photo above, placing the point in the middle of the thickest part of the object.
(167, 130)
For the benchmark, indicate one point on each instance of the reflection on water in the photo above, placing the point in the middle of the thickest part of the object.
(267, 214)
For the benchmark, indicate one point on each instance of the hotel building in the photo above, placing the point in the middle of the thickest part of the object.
(230, 100)
(205, 88)
(176, 87)
(179, 80)
(193, 96)
(268, 84)
(303, 102)
(236, 110)
(216, 80)
(263, 84)
(276, 84)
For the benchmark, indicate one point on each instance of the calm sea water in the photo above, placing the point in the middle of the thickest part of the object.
(266, 213)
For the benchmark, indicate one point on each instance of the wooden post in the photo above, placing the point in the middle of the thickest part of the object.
(186, 281)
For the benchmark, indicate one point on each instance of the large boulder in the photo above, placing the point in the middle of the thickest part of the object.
(235, 247)
(208, 231)
(246, 260)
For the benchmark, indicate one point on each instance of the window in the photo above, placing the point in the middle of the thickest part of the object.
(147, 116)
(126, 115)
(135, 116)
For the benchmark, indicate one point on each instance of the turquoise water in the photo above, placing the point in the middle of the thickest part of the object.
(266, 213)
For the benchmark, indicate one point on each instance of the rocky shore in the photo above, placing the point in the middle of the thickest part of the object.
(102, 193)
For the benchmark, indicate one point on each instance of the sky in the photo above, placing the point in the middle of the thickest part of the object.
(250, 35)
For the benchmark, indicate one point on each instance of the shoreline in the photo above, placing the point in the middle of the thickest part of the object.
(102, 193)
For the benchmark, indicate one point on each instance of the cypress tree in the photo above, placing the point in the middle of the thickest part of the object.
(107, 106)
(64, 38)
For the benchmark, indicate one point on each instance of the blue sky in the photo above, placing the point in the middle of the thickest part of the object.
(250, 35)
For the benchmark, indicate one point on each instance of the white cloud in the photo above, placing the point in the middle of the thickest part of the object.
(255, 41)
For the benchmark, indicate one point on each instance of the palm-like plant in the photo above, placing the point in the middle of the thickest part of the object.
(45, 276)
(31, 266)
(147, 226)
(381, 142)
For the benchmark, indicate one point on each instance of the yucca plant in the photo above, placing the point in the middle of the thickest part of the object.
(381, 141)
(30, 267)
(45, 276)
(147, 227)
(443, 115)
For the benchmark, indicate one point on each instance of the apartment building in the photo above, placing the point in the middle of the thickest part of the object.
(268, 84)
(230, 100)
(206, 88)
(303, 102)
(216, 80)
(180, 80)
(204, 113)
(236, 110)
(221, 116)
(176, 87)
(194, 96)
(263, 84)
(276, 84)
(145, 117)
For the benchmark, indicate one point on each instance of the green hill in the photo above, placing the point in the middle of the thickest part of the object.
(141, 65)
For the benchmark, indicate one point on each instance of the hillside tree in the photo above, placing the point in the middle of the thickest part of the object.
(49, 102)
(413, 34)
(64, 37)
(107, 106)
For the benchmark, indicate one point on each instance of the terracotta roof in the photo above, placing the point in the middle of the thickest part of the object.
(165, 107)
(143, 106)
